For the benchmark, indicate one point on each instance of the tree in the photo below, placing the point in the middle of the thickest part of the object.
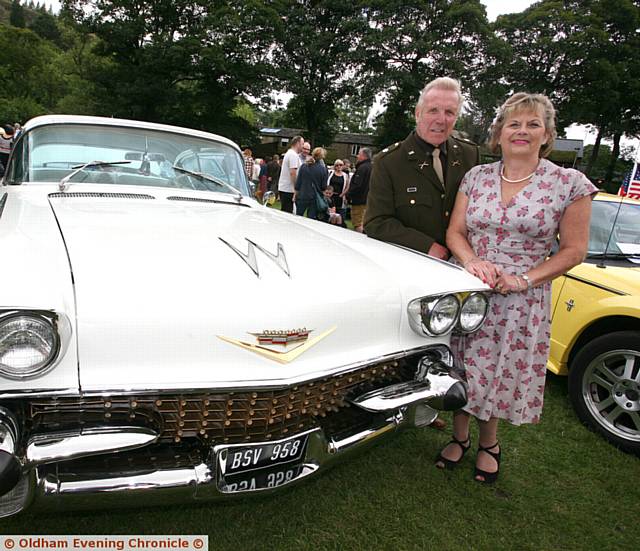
(45, 26)
(184, 62)
(316, 57)
(413, 42)
(31, 80)
(16, 14)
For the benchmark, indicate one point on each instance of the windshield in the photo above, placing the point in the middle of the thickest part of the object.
(624, 238)
(140, 157)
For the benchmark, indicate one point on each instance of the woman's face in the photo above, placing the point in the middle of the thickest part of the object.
(523, 133)
(338, 167)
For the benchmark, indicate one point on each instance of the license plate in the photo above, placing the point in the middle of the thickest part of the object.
(238, 459)
(249, 467)
(252, 481)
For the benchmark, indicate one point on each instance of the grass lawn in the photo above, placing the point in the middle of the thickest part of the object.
(561, 488)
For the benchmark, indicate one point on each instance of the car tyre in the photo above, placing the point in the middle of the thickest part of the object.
(604, 388)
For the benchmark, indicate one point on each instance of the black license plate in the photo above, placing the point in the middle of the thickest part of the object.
(253, 481)
(240, 459)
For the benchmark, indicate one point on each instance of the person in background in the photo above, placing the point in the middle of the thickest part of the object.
(306, 151)
(288, 173)
(6, 143)
(330, 215)
(262, 177)
(359, 188)
(339, 182)
(273, 173)
(506, 219)
(311, 180)
(248, 163)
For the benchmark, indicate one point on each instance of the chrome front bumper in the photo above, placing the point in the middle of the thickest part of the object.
(56, 474)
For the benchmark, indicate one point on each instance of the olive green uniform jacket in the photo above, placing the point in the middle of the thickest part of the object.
(407, 204)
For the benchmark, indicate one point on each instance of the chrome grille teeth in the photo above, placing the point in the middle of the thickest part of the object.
(220, 417)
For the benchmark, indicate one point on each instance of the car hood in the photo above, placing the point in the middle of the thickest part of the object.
(625, 279)
(165, 289)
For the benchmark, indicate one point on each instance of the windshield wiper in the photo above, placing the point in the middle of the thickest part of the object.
(613, 255)
(79, 168)
(210, 178)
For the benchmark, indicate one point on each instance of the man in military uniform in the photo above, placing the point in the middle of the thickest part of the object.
(414, 182)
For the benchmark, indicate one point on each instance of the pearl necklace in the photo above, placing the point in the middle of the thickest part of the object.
(515, 181)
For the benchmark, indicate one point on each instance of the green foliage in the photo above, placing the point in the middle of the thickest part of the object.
(31, 80)
(45, 26)
(621, 166)
(316, 54)
(16, 16)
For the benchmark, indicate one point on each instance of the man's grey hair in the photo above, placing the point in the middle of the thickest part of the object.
(366, 151)
(441, 83)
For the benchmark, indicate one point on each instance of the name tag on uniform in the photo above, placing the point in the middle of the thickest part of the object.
(412, 189)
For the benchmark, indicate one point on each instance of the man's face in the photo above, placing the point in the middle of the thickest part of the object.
(361, 156)
(306, 148)
(298, 146)
(437, 116)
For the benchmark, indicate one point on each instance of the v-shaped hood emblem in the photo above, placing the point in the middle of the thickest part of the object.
(279, 258)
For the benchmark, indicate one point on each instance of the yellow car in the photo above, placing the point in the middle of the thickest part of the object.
(595, 334)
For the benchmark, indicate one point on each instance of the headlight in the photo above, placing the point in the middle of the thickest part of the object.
(28, 344)
(434, 316)
(473, 312)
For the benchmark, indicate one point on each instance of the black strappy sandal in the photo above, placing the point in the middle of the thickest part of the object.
(489, 478)
(450, 464)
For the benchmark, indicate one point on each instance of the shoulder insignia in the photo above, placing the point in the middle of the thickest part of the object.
(464, 140)
(389, 148)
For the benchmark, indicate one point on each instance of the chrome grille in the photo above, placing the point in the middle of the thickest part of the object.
(220, 417)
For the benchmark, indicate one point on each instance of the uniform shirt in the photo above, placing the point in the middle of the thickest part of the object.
(407, 204)
(291, 160)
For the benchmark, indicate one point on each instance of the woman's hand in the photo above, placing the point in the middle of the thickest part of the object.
(487, 271)
(510, 284)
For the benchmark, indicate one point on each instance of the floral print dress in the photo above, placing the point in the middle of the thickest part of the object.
(505, 360)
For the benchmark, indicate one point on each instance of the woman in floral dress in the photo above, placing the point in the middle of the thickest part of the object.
(506, 218)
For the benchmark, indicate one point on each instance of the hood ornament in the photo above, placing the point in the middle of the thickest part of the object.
(279, 259)
(279, 340)
(282, 337)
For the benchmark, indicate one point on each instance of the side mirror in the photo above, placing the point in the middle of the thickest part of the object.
(269, 198)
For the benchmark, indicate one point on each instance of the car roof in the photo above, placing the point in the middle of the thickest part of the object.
(107, 121)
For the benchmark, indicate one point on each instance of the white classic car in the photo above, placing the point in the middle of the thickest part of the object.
(164, 336)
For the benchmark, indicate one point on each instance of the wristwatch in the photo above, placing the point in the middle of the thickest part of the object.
(527, 279)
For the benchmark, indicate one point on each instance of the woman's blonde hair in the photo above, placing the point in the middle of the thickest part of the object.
(317, 154)
(519, 102)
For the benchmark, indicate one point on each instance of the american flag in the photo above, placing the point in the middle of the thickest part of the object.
(631, 184)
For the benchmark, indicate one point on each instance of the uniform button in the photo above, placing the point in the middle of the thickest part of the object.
(446, 214)
(413, 201)
(442, 196)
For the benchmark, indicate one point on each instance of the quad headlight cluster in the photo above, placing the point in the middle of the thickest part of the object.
(438, 315)
(29, 343)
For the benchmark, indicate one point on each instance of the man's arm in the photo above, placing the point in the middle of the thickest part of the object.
(380, 218)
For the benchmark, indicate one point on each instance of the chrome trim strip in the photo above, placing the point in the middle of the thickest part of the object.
(63, 446)
(598, 285)
(3, 201)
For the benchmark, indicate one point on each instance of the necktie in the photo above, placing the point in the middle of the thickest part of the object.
(437, 165)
